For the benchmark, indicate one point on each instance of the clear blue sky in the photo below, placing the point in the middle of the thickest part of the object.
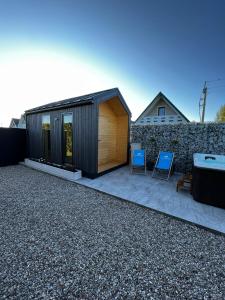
(145, 46)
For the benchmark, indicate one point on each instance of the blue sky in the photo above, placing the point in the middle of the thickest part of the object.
(142, 47)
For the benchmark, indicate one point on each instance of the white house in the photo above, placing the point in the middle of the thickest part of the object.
(161, 111)
(14, 123)
(18, 123)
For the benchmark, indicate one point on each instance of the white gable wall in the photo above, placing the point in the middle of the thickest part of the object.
(22, 122)
(153, 111)
(150, 116)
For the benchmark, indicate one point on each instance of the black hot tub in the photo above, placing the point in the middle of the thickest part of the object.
(208, 183)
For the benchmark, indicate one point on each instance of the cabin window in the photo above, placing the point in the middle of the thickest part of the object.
(161, 111)
(46, 137)
(67, 136)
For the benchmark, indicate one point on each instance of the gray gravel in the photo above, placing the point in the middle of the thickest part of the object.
(60, 240)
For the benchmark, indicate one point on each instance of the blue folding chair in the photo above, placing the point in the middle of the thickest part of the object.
(138, 161)
(163, 165)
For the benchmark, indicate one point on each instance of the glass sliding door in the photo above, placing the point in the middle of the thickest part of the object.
(67, 138)
(46, 137)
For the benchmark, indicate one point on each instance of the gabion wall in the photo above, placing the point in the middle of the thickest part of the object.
(183, 139)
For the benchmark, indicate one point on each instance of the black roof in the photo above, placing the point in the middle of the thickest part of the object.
(85, 99)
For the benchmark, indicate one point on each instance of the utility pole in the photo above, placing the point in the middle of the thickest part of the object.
(202, 103)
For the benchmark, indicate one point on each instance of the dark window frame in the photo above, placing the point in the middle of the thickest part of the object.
(46, 154)
(62, 139)
(160, 107)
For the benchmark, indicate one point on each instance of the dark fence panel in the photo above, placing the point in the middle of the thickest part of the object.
(12, 146)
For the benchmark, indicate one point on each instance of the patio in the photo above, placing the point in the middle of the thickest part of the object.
(159, 195)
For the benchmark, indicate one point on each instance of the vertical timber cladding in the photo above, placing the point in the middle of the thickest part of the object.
(84, 136)
(34, 136)
(35, 140)
(112, 134)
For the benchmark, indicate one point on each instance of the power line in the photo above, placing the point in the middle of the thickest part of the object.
(215, 80)
(217, 86)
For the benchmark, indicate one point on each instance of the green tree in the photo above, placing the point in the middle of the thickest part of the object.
(220, 116)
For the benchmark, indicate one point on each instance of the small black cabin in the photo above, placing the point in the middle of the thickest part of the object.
(89, 133)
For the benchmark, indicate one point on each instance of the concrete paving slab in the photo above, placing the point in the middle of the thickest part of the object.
(159, 195)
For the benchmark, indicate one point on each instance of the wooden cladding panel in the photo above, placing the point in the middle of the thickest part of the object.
(122, 138)
(107, 134)
(116, 106)
(113, 135)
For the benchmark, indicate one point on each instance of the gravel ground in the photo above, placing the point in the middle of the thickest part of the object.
(60, 240)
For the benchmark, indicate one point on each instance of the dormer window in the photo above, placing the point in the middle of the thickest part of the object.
(161, 111)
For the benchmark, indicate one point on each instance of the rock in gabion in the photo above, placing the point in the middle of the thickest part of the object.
(183, 139)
